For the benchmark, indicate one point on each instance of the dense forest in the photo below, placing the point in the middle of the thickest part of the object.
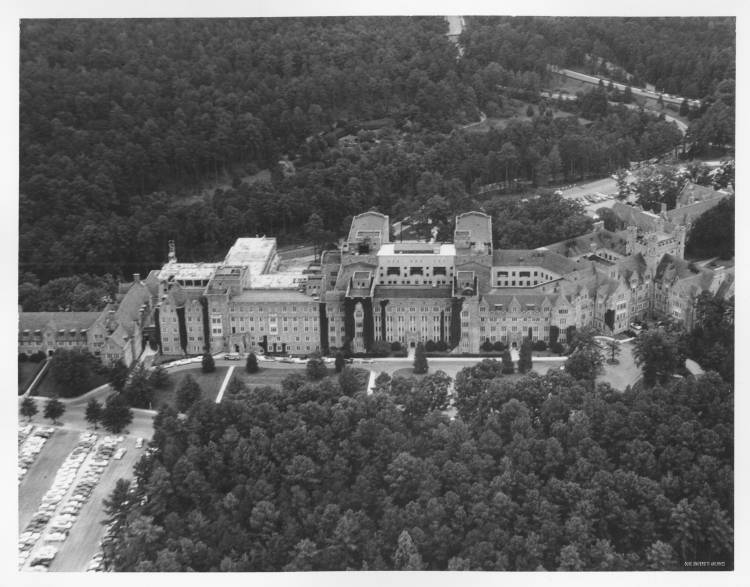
(684, 56)
(541, 473)
(123, 122)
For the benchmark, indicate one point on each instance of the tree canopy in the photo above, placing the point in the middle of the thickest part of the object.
(543, 473)
(134, 132)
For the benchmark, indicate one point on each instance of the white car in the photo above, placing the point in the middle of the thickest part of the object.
(139, 443)
(56, 537)
(119, 454)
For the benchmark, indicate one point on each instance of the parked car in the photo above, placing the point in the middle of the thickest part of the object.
(232, 357)
(139, 443)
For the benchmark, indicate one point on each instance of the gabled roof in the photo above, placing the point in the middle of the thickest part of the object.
(129, 308)
(645, 221)
(119, 337)
(672, 269)
(688, 214)
(692, 193)
(152, 282)
(632, 265)
(56, 320)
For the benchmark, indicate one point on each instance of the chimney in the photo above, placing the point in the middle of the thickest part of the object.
(172, 252)
(136, 277)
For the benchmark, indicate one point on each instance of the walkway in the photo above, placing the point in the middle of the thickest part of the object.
(227, 379)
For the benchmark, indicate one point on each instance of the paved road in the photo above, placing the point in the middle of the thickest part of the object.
(74, 419)
(636, 91)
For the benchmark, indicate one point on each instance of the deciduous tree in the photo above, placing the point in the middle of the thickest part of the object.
(188, 392)
(94, 412)
(116, 414)
(53, 409)
(28, 408)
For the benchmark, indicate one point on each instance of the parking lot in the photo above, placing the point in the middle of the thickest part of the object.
(83, 541)
(42, 472)
(61, 493)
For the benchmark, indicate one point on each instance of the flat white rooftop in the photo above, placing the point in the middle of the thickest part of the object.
(251, 252)
(286, 280)
(445, 249)
(188, 270)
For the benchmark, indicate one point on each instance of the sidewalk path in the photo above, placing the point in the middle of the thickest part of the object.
(227, 379)
(371, 382)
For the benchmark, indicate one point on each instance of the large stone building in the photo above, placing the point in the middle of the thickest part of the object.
(462, 293)
(115, 333)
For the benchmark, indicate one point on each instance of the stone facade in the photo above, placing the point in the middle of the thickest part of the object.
(461, 293)
(115, 333)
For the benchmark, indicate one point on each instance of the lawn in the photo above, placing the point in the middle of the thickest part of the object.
(48, 387)
(26, 373)
(407, 372)
(267, 376)
(210, 383)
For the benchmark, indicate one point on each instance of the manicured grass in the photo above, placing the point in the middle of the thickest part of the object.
(26, 373)
(407, 372)
(210, 383)
(271, 376)
(48, 386)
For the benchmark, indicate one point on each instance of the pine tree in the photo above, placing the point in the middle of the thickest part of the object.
(407, 557)
(507, 367)
(251, 365)
(525, 357)
(420, 360)
(340, 362)
(207, 364)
